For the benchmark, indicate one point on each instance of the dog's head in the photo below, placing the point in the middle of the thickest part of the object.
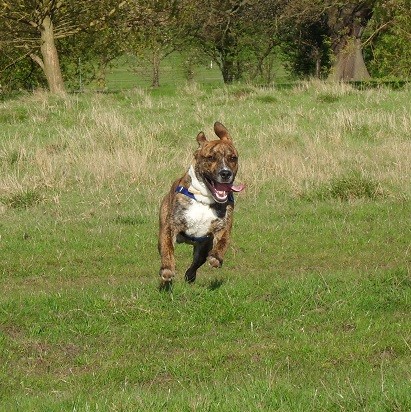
(217, 163)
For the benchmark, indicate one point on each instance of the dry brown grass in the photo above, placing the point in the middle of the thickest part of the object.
(292, 142)
(333, 141)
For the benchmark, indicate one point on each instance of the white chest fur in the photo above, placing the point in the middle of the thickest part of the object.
(198, 219)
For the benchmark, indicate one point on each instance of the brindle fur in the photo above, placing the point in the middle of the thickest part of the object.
(209, 159)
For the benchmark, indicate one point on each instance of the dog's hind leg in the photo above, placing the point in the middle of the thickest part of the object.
(200, 253)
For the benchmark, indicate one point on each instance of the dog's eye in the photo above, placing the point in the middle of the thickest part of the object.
(233, 158)
(211, 158)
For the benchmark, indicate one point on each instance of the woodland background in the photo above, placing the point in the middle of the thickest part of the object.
(65, 45)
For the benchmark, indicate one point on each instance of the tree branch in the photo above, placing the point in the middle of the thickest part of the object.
(38, 60)
(382, 27)
(14, 62)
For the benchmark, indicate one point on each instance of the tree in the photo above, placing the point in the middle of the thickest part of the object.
(18, 71)
(155, 31)
(388, 43)
(344, 26)
(87, 55)
(260, 37)
(306, 48)
(216, 28)
(33, 28)
(239, 35)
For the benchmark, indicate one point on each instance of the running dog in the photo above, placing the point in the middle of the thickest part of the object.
(198, 210)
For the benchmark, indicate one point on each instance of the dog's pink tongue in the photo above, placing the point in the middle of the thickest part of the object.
(237, 188)
(226, 187)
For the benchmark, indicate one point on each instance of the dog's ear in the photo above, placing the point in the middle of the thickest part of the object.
(221, 131)
(201, 138)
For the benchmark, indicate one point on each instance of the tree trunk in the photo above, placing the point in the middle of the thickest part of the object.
(227, 71)
(349, 63)
(101, 74)
(229, 66)
(51, 64)
(346, 24)
(156, 70)
(316, 54)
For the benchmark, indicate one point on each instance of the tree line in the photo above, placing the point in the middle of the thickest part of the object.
(42, 41)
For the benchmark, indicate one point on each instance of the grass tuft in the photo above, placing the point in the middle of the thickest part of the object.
(241, 92)
(22, 200)
(130, 220)
(267, 98)
(13, 116)
(354, 186)
(14, 157)
(348, 187)
(328, 98)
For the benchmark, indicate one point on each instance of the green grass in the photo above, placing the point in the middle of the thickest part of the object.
(311, 310)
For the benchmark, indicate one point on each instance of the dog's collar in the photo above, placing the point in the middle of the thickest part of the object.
(183, 190)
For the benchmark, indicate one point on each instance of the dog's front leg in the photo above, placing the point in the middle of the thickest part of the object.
(166, 246)
(220, 245)
(166, 250)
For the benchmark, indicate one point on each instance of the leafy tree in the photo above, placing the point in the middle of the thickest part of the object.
(34, 28)
(87, 55)
(216, 27)
(239, 35)
(19, 71)
(260, 37)
(155, 31)
(388, 45)
(307, 49)
(343, 24)
(346, 23)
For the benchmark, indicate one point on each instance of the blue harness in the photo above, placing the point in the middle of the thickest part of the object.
(184, 191)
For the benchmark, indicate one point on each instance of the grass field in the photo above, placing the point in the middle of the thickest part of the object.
(311, 311)
(129, 72)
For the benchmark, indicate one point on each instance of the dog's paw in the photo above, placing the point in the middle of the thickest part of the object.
(190, 276)
(214, 262)
(166, 275)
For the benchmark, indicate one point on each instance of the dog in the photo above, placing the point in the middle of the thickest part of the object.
(198, 209)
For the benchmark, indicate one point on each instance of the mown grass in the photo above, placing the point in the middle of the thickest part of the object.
(311, 309)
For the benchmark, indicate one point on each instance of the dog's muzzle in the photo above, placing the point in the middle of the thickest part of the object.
(223, 185)
(225, 176)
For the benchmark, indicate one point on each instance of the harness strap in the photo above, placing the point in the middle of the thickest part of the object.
(195, 239)
(183, 190)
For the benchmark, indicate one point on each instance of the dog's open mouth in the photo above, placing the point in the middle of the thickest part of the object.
(220, 191)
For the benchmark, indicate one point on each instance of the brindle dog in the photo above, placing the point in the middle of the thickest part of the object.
(199, 207)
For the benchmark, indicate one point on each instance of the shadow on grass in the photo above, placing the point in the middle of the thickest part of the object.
(215, 284)
(166, 287)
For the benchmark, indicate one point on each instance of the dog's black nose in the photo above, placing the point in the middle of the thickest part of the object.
(225, 174)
